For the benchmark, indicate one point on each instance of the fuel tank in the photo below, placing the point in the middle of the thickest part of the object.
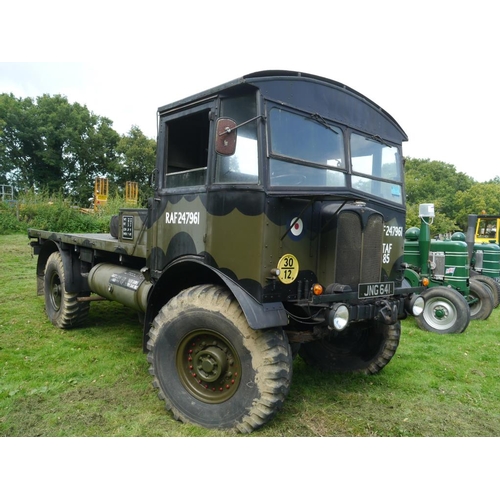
(120, 284)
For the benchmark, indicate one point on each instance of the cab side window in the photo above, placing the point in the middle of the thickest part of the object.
(187, 150)
(243, 166)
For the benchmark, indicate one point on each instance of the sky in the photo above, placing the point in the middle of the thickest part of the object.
(432, 65)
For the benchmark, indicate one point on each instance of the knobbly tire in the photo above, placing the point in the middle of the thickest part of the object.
(445, 311)
(211, 368)
(492, 284)
(63, 308)
(480, 300)
(364, 347)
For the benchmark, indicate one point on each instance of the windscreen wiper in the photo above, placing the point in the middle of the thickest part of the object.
(318, 118)
(379, 139)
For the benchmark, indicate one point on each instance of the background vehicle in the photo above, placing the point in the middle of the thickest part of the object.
(453, 298)
(486, 228)
(484, 251)
(276, 229)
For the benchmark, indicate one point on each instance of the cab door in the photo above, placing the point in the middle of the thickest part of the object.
(184, 163)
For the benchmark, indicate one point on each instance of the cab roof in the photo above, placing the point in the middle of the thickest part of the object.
(352, 106)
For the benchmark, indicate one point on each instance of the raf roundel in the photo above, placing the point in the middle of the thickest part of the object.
(297, 226)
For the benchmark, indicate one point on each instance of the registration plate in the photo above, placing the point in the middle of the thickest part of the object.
(367, 290)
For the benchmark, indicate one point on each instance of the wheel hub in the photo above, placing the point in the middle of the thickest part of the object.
(208, 366)
(210, 363)
(440, 313)
(56, 294)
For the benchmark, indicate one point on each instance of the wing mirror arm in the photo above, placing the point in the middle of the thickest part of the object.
(226, 134)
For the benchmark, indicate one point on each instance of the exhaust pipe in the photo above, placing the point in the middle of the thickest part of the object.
(470, 236)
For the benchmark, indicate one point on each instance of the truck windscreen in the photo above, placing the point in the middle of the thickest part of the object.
(305, 150)
(308, 151)
(376, 167)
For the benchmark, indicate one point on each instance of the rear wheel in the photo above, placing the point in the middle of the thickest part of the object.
(211, 368)
(445, 311)
(480, 300)
(364, 347)
(492, 284)
(63, 308)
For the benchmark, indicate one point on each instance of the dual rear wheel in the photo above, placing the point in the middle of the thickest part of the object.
(63, 308)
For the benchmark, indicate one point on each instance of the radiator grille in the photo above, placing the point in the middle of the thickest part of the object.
(371, 261)
(359, 253)
(349, 237)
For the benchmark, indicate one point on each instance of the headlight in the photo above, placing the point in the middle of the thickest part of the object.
(417, 305)
(338, 318)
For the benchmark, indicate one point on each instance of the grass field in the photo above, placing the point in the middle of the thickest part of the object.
(94, 381)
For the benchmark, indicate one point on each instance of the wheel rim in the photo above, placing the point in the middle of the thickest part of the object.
(474, 304)
(55, 292)
(440, 313)
(209, 367)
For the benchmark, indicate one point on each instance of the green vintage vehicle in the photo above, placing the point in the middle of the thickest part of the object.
(455, 292)
(276, 230)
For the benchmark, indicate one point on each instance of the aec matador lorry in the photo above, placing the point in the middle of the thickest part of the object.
(276, 230)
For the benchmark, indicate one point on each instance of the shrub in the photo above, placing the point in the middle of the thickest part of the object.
(55, 213)
(9, 223)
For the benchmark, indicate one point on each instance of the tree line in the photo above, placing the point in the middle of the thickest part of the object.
(455, 195)
(51, 144)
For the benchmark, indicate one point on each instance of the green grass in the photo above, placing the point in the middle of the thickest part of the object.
(94, 381)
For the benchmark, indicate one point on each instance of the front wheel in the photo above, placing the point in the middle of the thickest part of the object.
(445, 311)
(364, 347)
(211, 368)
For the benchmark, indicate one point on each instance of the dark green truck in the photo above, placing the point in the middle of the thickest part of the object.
(276, 229)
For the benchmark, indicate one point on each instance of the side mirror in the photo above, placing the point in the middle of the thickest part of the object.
(225, 136)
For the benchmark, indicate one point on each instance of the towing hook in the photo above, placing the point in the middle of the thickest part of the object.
(388, 313)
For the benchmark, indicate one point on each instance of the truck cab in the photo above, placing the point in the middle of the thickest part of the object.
(279, 182)
(487, 227)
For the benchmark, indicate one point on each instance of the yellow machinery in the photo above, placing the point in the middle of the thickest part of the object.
(487, 229)
(101, 189)
(131, 192)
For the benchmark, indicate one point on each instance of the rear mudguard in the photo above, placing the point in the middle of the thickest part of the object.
(74, 281)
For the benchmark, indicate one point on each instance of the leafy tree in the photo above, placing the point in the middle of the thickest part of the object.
(480, 198)
(435, 180)
(20, 162)
(495, 180)
(53, 144)
(439, 183)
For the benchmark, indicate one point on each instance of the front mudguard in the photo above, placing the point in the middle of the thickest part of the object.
(186, 273)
